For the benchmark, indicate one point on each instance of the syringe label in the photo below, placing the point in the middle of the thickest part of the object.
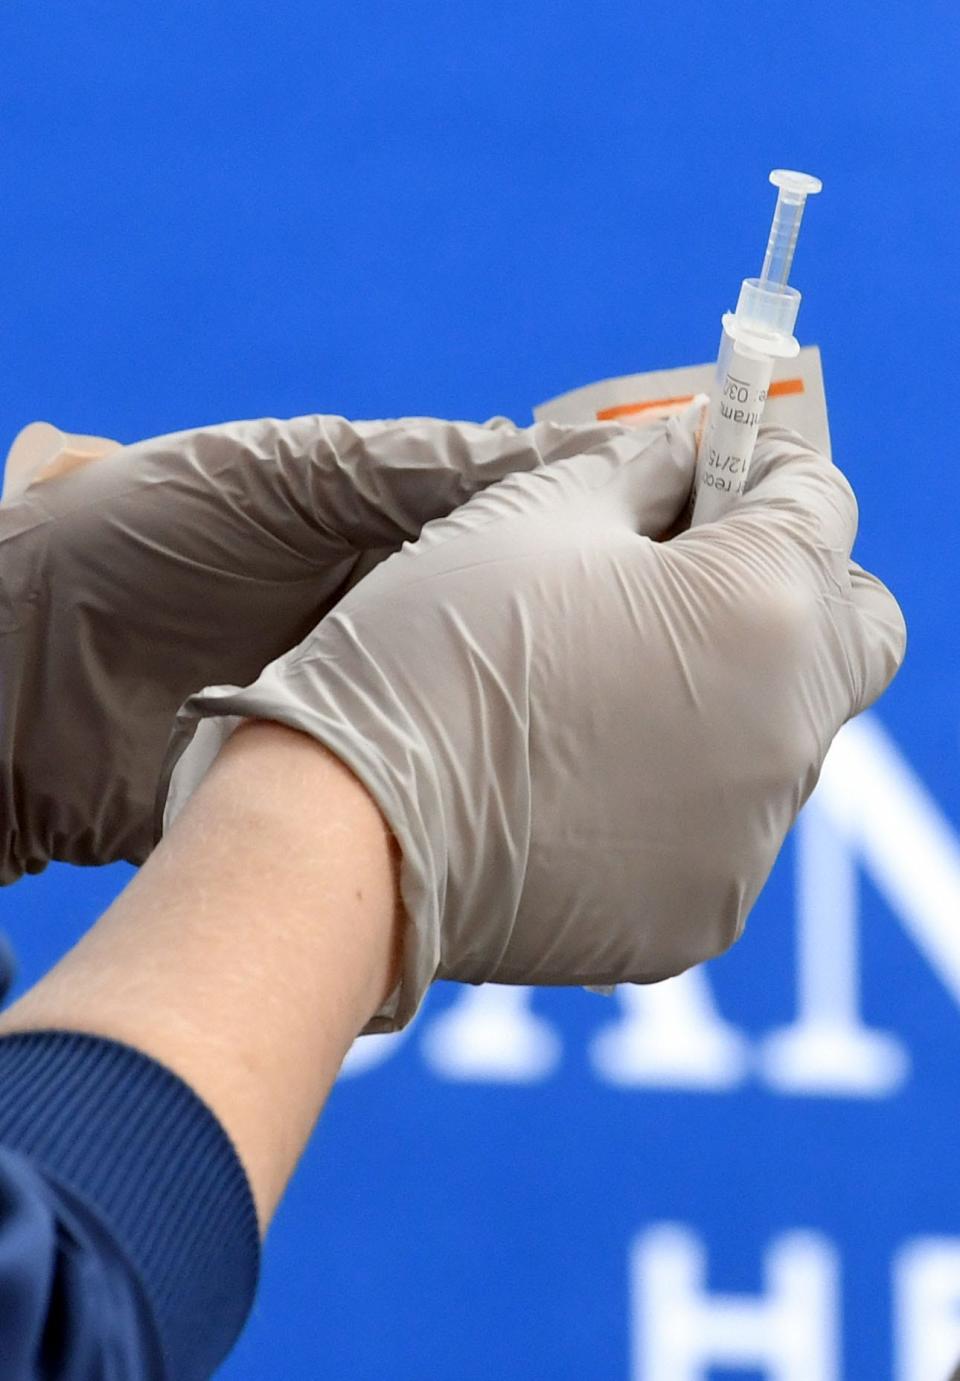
(740, 392)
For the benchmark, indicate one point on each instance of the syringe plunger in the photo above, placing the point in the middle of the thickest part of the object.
(794, 188)
(768, 306)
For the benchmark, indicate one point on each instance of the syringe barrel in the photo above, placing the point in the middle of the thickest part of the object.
(768, 311)
(736, 404)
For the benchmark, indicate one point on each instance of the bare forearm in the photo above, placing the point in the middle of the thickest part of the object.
(250, 948)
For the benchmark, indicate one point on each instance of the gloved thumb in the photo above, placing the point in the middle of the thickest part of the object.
(655, 485)
(635, 477)
(639, 476)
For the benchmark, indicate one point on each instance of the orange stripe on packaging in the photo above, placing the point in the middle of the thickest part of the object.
(780, 388)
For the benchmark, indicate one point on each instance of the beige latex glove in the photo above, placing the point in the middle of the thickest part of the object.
(186, 559)
(589, 745)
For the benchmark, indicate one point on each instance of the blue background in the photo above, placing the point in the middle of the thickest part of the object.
(221, 210)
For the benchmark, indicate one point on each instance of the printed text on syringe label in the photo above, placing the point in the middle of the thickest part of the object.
(722, 472)
(739, 392)
(730, 440)
(741, 401)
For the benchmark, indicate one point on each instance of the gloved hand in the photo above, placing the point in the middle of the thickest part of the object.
(130, 577)
(589, 745)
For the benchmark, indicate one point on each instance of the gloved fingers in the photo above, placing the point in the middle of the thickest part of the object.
(642, 478)
(317, 489)
(879, 650)
(805, 494)
(328, 487)
(656, 487)
(392, 478)
(637, 478)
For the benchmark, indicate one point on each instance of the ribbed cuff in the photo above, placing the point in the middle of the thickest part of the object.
(136, 1143)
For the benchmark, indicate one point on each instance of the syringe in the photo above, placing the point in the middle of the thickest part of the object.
(757, 334)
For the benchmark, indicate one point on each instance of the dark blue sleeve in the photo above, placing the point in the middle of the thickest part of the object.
(70, 1306)
(129, 1247)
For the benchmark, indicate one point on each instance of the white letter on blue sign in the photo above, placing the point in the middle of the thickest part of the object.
(680, 1331)
(926, 1283)
(870, 810)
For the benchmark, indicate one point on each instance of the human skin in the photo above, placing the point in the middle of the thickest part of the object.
(249, 949)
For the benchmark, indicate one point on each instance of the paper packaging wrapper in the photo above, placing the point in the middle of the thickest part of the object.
(796, 398)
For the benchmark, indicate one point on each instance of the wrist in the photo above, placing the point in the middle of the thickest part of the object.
(249, 950)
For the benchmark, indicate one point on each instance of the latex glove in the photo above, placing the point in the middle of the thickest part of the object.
(182, 560)
(589, 745)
